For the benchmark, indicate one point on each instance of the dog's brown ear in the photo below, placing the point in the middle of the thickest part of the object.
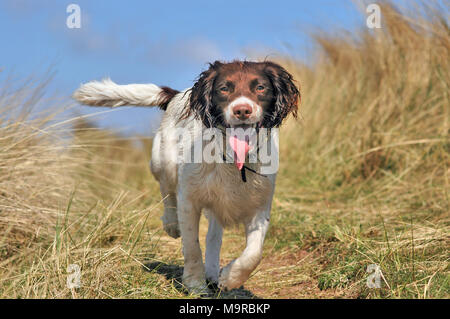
(200, 102)
(286, 95)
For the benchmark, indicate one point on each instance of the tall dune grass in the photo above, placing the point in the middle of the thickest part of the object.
(376, 110)
(68, 191)
(364, 179)
(372, 151)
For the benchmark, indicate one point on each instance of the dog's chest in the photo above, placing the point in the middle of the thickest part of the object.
(220, 189)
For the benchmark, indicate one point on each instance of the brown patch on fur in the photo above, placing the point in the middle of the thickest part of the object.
(166, 96)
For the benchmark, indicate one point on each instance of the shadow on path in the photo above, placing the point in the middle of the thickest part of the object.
(174, 274)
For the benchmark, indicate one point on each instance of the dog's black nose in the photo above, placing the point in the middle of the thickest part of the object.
(242, 111)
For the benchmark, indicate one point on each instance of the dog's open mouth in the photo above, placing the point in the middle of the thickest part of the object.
(240, 147)
(239, 141)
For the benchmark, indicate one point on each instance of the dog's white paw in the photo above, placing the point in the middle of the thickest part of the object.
(232, 276)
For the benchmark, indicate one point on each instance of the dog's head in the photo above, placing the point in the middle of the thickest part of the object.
(243, 94)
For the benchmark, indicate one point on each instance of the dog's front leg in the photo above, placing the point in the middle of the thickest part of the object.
(238, 271)
(194, 270)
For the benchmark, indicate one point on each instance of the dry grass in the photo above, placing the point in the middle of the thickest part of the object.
(68, 196)
(372, 158)
(363, 180)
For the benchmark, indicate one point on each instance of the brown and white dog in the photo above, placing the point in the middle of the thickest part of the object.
(257, 95)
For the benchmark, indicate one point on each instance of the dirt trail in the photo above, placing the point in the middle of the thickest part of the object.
(282, 274)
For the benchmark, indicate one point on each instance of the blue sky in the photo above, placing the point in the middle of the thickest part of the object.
(162, 42)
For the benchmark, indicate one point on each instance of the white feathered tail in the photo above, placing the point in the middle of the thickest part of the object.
(108, 93)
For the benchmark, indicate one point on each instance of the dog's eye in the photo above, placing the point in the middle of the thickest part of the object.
(224, 89)
(260, 88)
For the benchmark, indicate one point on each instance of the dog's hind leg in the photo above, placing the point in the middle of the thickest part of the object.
(164, 173)
(213, 244)
(170, 218)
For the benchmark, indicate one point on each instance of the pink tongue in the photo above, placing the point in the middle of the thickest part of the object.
(240, 149)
